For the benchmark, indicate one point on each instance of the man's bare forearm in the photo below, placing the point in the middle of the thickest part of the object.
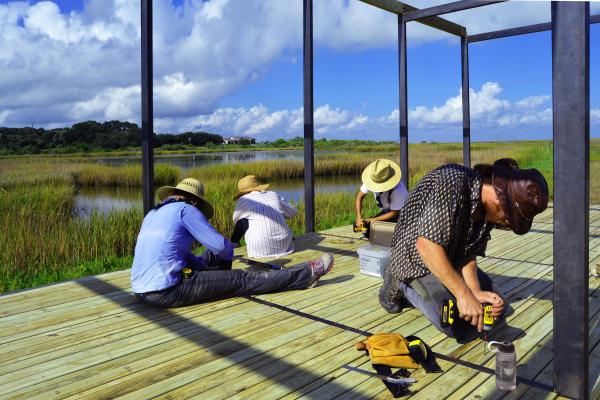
(435, 259)
(385, 217)
(469, 273)
(358, 204)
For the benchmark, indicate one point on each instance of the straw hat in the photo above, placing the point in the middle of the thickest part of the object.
(381, 175)
(191, 186)
(248, 184)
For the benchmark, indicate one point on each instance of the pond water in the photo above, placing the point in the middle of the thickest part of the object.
(105, 200)
(199, 159)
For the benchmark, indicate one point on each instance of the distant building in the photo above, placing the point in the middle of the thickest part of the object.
(239, 140)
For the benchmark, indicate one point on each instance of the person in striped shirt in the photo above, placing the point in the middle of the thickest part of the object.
(259, 216)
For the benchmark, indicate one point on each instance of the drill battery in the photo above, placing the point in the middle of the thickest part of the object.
(488, 320)
(447, 315)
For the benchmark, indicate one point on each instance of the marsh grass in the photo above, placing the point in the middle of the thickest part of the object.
(44, 243)
(42, 239)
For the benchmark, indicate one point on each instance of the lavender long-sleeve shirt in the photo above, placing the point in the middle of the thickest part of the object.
(164, 244)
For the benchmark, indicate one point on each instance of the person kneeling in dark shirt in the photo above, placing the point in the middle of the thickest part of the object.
(443, 227)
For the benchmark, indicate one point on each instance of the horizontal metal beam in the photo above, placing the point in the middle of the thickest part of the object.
(398, 7)
(522, 30)
(447, 8)
(392, 6)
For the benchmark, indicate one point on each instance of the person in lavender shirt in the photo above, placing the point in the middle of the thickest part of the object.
(163, 250)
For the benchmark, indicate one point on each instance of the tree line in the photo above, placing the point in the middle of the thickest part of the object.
(93, 136)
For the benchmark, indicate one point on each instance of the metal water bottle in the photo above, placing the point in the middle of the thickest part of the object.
(506, 364)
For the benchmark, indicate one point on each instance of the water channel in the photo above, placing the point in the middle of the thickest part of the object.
(105, 200)
(186, 161)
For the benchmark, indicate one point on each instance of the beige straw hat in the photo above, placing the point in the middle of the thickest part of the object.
(191, 186)
(381, 175)
(248, 184)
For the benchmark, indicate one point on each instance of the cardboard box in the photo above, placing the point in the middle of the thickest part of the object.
(381, 233)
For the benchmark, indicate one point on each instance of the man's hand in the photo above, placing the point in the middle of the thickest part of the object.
(470, 309)
(492, 298)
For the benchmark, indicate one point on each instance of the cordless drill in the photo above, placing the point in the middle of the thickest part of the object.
(449, 311)
(363, 228)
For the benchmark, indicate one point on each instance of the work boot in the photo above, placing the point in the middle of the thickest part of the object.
(319, 267)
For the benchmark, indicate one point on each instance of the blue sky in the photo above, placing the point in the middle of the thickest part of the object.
(70, 60)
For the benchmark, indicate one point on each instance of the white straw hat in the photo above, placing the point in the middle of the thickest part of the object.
(381, 175)
(248, 184)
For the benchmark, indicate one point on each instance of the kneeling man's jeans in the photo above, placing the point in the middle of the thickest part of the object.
(427, 294)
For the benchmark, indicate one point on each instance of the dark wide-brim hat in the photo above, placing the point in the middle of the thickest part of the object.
(522, 193)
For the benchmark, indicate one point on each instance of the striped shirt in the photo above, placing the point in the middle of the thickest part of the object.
(268, 234)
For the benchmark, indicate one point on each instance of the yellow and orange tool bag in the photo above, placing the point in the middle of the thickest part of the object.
(388, 350)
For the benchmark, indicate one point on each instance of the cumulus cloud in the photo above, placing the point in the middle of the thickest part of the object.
(84, 61)
(59, 68)
(489, 113)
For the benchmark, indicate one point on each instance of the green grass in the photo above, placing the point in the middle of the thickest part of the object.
(44, 243)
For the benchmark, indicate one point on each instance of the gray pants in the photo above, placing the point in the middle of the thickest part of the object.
(427, 294)
(206, 285)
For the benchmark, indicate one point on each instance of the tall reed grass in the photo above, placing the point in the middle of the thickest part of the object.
(43, 242)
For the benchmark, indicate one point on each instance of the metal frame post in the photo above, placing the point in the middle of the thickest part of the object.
(466, 105)
(309, 161)
(571, 130)
(147, 107)
(403, 108)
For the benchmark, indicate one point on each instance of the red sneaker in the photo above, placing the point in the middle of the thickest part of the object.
(319, 267)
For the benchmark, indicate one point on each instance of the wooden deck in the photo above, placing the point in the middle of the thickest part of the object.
(90, 338)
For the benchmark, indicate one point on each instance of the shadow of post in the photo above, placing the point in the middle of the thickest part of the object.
(204, 337)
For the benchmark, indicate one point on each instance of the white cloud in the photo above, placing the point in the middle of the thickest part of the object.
(484, 105)
(111, 104)
(490, 114)
(59, 68)
(62, 66)
(533, 101)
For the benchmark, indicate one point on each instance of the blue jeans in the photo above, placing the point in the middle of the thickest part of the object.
(427, 294)
(213, 284)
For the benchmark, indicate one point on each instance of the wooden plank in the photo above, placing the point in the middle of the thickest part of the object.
(92, 339)
(28, 301)
(53, 287)
(233, 319)
(532, 359)
(39, 319)
(326, 362)
(210, 307)
(432, 337)
(207, 373)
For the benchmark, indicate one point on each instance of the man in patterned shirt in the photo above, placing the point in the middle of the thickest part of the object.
(444, 225)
